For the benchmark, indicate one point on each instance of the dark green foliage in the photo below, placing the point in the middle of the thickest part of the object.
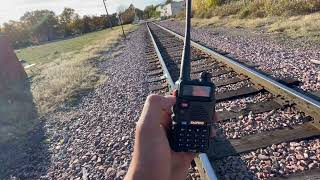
(37, 27)
(151, 11)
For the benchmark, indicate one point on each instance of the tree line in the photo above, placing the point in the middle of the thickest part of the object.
(36, 27)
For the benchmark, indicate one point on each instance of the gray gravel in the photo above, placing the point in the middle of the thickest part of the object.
(256, 123)
(235, 86)
(95, 139)
(277, 160)
(237, 105)
(224, 76)
(285, 59)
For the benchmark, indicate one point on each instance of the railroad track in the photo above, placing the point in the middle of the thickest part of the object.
(262, 120)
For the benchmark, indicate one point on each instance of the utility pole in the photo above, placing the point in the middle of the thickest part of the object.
(124, 35)
(105, 7)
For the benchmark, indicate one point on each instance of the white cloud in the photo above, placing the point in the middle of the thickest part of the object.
(14, 9)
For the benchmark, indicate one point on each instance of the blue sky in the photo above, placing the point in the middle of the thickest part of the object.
(14, 9)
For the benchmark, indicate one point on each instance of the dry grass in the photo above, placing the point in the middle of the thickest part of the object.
(298, 26)
(232, 21)
(294, 27)
(259, 8)
(67, 77)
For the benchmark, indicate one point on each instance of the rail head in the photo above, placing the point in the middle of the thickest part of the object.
(163, 65)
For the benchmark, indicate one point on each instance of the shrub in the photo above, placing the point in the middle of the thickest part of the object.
(228, 9)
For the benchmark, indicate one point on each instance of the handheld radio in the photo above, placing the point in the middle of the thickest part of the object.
(195, 105)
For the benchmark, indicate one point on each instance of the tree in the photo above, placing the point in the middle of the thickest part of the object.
(128, 15)
(150, 11)
(199, 5)
(168, 1)
(139, 13)
(77, 25)
(66, 18)
(17, 33)
(86, 24)
(42, 24)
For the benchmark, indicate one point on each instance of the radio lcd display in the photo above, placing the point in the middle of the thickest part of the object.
(199, 91)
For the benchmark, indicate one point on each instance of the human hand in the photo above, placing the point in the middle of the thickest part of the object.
(152, 156)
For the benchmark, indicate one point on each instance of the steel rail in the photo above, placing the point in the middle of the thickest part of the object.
(306, 103)
(163, 65)
(202, 161)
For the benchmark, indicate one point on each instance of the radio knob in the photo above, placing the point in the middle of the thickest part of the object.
(205, 77)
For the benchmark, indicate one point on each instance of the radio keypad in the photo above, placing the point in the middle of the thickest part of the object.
(192, 138)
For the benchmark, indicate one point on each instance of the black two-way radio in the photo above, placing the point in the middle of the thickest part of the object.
(195, 105)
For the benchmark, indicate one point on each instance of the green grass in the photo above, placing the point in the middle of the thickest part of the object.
(63, 70)
(48, 52)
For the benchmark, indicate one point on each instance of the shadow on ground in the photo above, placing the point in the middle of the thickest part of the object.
(24, 155)
(227, 164)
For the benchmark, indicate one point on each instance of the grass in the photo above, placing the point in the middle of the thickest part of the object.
(293, 18)
(233, 21)
(50, 51)
(294, 27)
(259, 8)
(64, 71)
(298, 26)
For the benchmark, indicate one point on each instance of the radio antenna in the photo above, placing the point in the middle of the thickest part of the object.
(186, 55)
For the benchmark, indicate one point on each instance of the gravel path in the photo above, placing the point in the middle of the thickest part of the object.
(282, 59)
(95, 139)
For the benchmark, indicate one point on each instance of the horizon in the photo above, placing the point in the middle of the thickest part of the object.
(10, 11)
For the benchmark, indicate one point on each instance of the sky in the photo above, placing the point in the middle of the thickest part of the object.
(14, 9)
